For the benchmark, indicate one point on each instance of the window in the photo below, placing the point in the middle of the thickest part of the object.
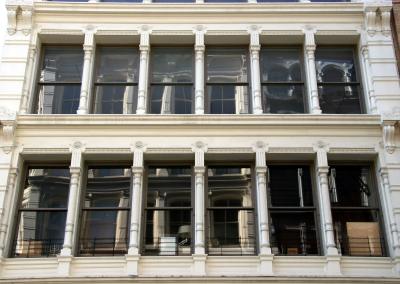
(282, 80)
(42, 212)
(292, 211)
(168, 211)
(171, 81)
(338, 81)
(355, 211)
(230, 209)
(105, 212)
(116, 80)
(59, 84)
(227, 80)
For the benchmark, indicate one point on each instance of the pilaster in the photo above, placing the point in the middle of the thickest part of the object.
(199, 71)
(312, 89)
(255, 70)
(144, 48)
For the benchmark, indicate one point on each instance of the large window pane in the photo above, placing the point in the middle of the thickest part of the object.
(339, 99)
(226, 65)
(115, 99)
(228, 99)
(171, 99)
(59, 99)
(283, 98)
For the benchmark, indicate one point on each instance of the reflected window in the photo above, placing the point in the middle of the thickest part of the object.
(227, 81)
(116, 80)
(230, 211)
(338, 82)
(292, 211)
(282, 80)
(59, 85)
(42, 213)
(105, 213)
(168, 211)
(171, 81)
(355, 211)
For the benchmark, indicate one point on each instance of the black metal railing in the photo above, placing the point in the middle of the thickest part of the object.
(168, 245)
(362, 246)
(103, 247)
(231, 246)
(37, 247)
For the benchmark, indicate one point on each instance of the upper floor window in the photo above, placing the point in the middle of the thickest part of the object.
(59, 85)
(282, 80)
(171, 81)
(227, 80)
(355, 211)
(338, 81)
(42, 212)
(116, 80)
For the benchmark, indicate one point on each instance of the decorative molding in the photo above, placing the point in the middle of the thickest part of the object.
(389, 128)
(260, 146)
(12, 19)
(290, 150)
(45, 151)
(169, 151)
(7, 114)
(344, 150)
(172, 32)
(199, 146)
(321, 145)
(394, 114)
(26, 19)
(237, 150)
(100, 32)
(108, 150)
(281, 32)
(385, 12)
(371, 20)
(76, 32)
(338, 32)
(227, 32)
(138, 146)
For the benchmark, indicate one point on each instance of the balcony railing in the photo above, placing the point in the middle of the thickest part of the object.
(103, 247)
(37, 247)
(167, 246)
(362, 246)
(231, 246)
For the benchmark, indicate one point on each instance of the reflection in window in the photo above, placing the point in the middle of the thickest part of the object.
(60, 80)
(105, 213)
(281, 80)
(42, 213)
(230, 211)
(292, 211)
(355, 211)
(116, 80)
(338, 82)
(227, 82)
(171, 81)
(168, 211)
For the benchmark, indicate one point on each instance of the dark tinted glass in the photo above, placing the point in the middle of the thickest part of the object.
(290, 186)
(172, 65)
(283, 98)
(339, 99)
(46, 188)
(108, 187)
(117, 64)
(226, 65)
(59, 99)
(228, 99)
(167, 99)
(62, 64)
(335, 65)
(115, 99)
(280, 65)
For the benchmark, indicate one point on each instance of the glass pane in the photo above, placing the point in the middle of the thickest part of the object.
(58, 99)
(339, 99)
(260, 1)
(117, 64)
(335, 65)
(114, 99)
(290, 186)
(104, 232)
(225, 1)
(169, 187)
(108, 187)
(173, 1)
(283, 99)
(40, 234)
(62, 64)
(229, 187)
(167, 99)
(351, 186)
(357, 232)
(228, 99)
(46, 188)
(168, 232)
(129, 1)
(226, 65)
(280, 65)
(293, 233)
(172, 65)
(231, 232)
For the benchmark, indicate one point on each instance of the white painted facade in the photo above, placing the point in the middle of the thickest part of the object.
(320, 138)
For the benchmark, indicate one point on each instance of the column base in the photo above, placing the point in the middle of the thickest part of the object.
(132, 264)
(332, 266)
(64, 265)
(199, 264)
(266, 264)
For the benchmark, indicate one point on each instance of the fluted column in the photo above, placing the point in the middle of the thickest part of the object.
(143, 71)
(199, 71)
(311, 72)
(255, 71)
(367, 74)
(30, 67)
(88, 48)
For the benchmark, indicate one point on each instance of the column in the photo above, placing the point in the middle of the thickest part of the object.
(367, 73)
(311, 72)
(199, 72)
(255, 71)
(132, 258)
(143, 71)
(199, 256)
(88, 48)
(30, 67)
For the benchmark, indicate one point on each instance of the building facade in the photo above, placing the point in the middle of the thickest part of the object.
(199, 142)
